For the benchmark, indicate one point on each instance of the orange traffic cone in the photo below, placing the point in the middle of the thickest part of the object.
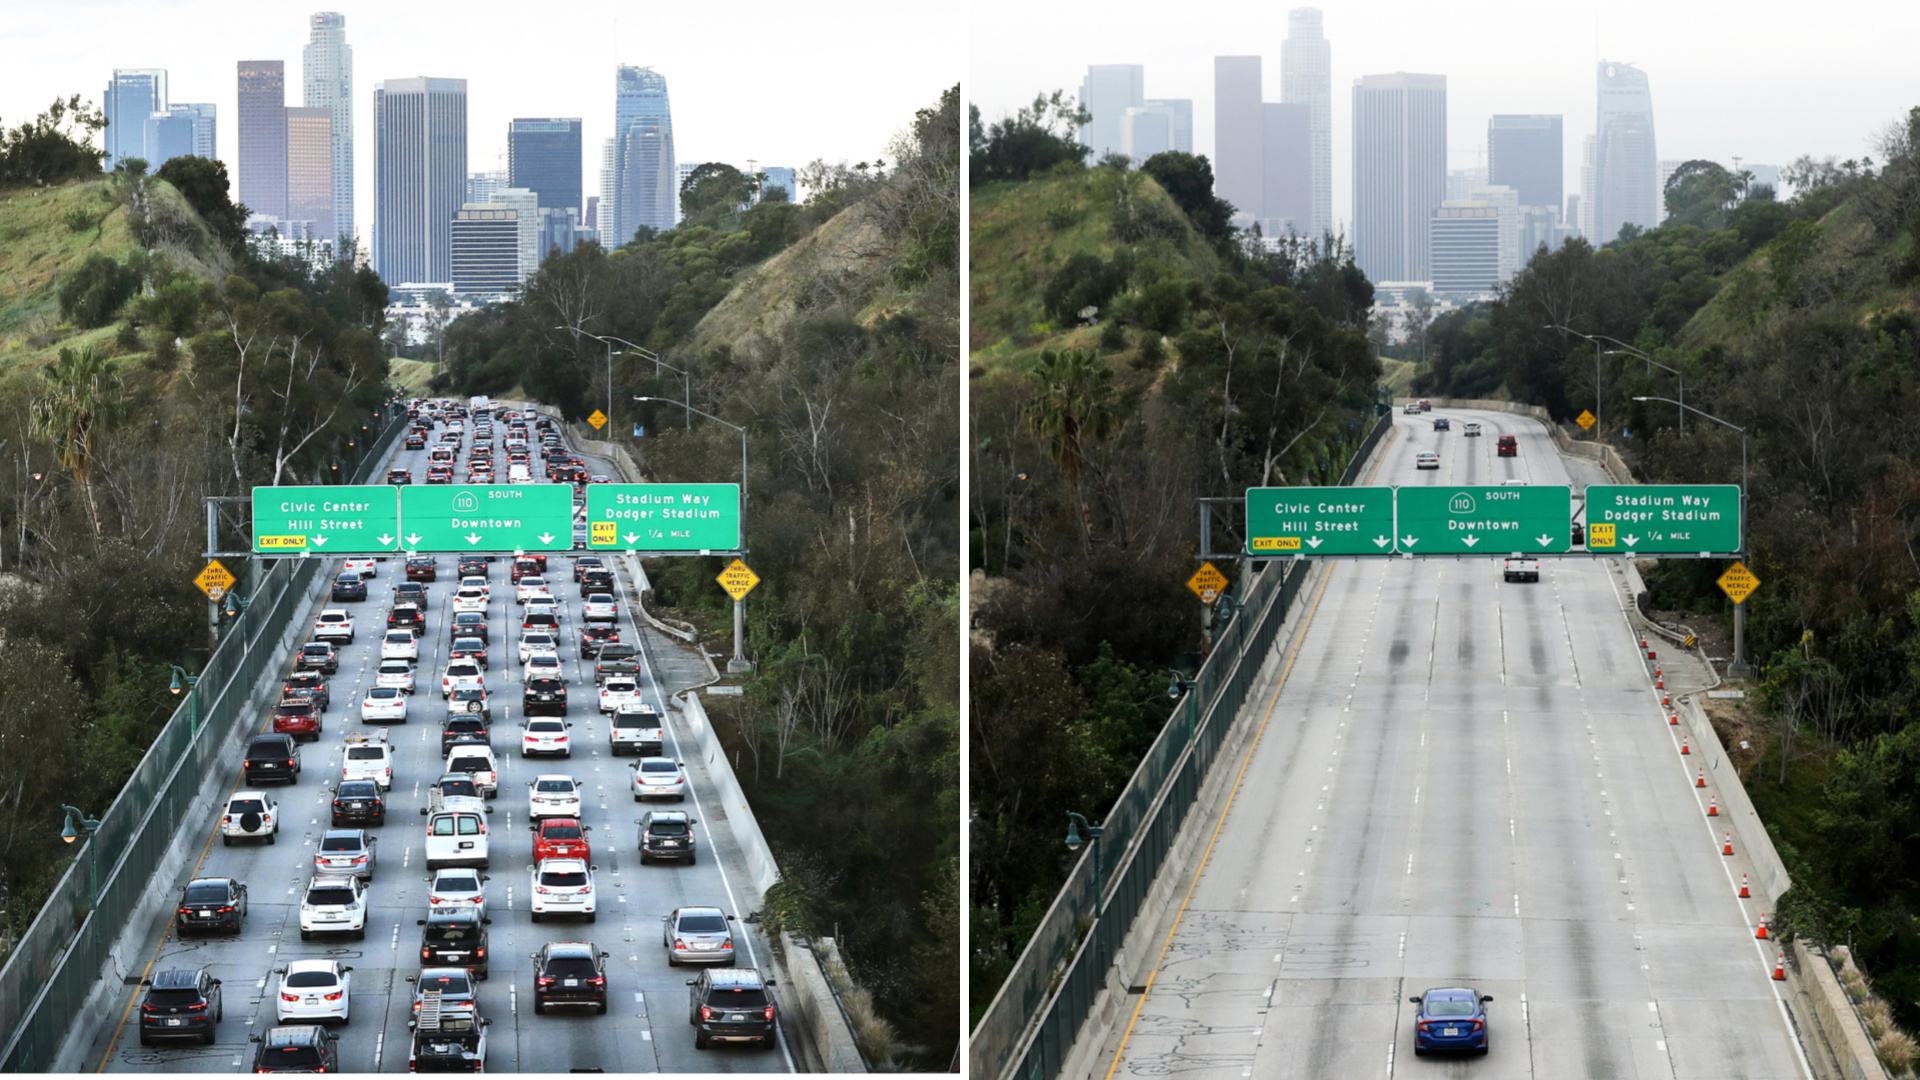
(1728, 850)
(1762, 935)
(1658, 682)
(1780, 968)
(1673, 719)
(1666, 700)
(1713, 807)
(1743, 887)
(1683, 745)
(1643, 642)
(1702, 781)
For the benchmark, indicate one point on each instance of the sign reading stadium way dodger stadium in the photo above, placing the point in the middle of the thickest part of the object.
(1319, 521)
(326, 520)
(663, 517)
(1682, 519)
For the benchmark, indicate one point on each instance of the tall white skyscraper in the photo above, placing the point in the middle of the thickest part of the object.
(1587, 191)
(1625, 167)
(133, 95)
(420, 176)
(1462, 183)
(1399, 171)
(1505, 202)
(1107, 92)
(605, 211)
(1306, 78)
(327, 83)
(643, 156)
(1179, 121)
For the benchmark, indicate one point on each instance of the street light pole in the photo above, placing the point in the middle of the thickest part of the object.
(1741, 665)
(686, 377)
(1677, 374)
(192, 683)
(69, 834)
(1074, 824)
(739, 664)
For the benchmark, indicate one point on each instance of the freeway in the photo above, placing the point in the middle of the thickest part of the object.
(645, 1028)
(1461, 782)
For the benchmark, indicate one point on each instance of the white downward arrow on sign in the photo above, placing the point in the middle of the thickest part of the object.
(413, 539)
(1409, 540)
(1543, 540)
(1632, 540)
(546, 538)
(631, 537)
(473, 538)
(320, 540)
(1382, 541)
(1469, 540)
(1313, 541)
(386, 539)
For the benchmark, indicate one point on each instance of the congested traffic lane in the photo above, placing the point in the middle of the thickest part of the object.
(645, 1028)
(1461, 782)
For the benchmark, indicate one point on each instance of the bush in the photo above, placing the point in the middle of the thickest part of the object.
(1085, 281)
(1062, 218)
(1152, 350)
(95, 292)
(127, 338)
(78, 220)
(1897, 1052)
(1112, 336)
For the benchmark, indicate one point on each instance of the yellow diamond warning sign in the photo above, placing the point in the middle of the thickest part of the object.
(1207, 582)
(1738, 583)
(738, 579)
(598, 419)
(1586, 420)
(215, 580)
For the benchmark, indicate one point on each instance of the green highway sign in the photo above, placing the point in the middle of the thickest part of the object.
(1691, 519)
(663, 517)
(1531, 519)
(1319, 521)
(487, 517)
(326, 520)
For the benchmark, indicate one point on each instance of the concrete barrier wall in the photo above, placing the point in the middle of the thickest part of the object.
(1835, 1017)
(728, 794)
(818, 1014)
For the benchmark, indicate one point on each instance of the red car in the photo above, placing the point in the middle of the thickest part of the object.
(527, 564)
(297, 718)
(560, 838)
(422, 568)
(1507, 446)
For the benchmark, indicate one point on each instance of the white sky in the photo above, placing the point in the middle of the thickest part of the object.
(1766, 80)
(782, 83)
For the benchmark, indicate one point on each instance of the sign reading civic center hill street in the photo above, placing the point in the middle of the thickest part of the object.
(1530, 519)
(326, 520)
(1690, 519)
(663, 517)
(1320, 521)
(487, 517)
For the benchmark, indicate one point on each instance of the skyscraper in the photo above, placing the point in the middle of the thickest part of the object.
(1462, 183)
(1526, 154)
(1107, 92)
(543, 156)
(133, 95)
(481, 185)
(310, 150)
(1505, 202)
(609, 197)
(642, 171)
(1239, 157)
(1626, 168)
(1179, 121)
(420, 175)
(1306, 78)
(327, 83)
(1399, 171)
(1144, 133)
(1587, 186)
(1464, 238)
(1286, 190)
(263, 136)
(484, 250)
(177, 131)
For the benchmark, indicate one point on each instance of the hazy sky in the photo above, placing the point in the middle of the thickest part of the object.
(782, 83)
(1765, 80)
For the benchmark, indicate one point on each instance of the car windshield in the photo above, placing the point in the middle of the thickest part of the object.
(599, 598)
(469, 693)
(615, 686)
(348, 579)
(450, 932)
(246, 806)
(547, 726)
(316, 650)
(659, 765)
(311, 978)
(460, 787)
(385, 693)
(269, 748)
(330, 896)
(446, 984)
(553, 785)
(400, 637)
(571, 879)
(561, 832)
(702, 924)
(339, 843)
(457, 883)
(737, 997)
(471, 764)
(1449, 1006)
(206, 893)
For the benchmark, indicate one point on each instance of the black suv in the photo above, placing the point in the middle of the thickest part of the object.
(184, 1001)
(545, 696)
(730, 1005)
(569, 973)
(584, 563)
(306, 1048)
(461, 730)
(666, 834)
(350, 587)
(358, 802)
(455, 938)
(214, 903)
(411, 592)
(594, 636)
(596, 580)
(472, 565)
(407, 617)
(271, 757)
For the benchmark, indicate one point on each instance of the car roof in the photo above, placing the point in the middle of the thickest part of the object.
(699, 911)
(332, 833)
(544, 822)
(1452, 993)
(329, 966)
(249, 793)
(454, 915)
(334, 879)
(177, 979)
(212, 881)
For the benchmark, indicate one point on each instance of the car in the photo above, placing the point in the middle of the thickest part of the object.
(1506, 446)
(369, 757)
(470, 700)
(439, 474)
(477, 580)
(422, 568)
(730, 1005)
(523, 566)
(399, 476)
(666, 834)
(181, 1003)
(697, 935)
(358, 802)
(582, 563)
(1450, 1018)
(1441, 423)
(479, 762)
(540, 617)
(1412, 409)
(1426, 459)
(460, 673)
(542, 665)
(384, 704)
(455, 985)
(319, 990)
(537, 605)
(400, 646)
(363, 565)
(545, 694)
(468, 648)
(659, 778)
(317, 656)
(618, 691)
(250, 815)
(394, 675)
(553, 795)
(472, 565)
(562, 887)
(211, 903)
(530, 586)
(456, 791)
(1426, 405)
(471, 624)
(334, 904)
(349, 587)
(457, 888)
(307, 686)
(456, 837)
(415, 442)
(597, 478)
(465, 730)
(636, 726)
(1579, 534)
(1471, 429)
(455, 938)
(560, 838)
(1521, 570)
(538, 643)
(545, 736)
(345, 851)
(600, 607)
(271, 757)
(569, 973)
(596, 580)
(296, 1049)
(467, 599)
(297, 717)
(407, 617)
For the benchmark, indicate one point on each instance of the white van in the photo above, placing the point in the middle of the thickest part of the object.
(456, 838)
(519, 474)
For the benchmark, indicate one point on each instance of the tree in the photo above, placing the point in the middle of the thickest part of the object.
(55, 146)
(81, 396)
(1188, 179)
(203, 183)
(1700, 193)
(714, 188)
(93, 294)
(1034, 139)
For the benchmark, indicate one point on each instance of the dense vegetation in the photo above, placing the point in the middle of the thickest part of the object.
(1131, 352)
(1796, 320)
(829, 330)
(188, 384)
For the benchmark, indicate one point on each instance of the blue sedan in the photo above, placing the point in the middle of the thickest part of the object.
(1441, 423)
(1452, 1018)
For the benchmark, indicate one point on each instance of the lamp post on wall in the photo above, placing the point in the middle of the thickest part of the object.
(77, 823)
(1074, 824)
(191, 683)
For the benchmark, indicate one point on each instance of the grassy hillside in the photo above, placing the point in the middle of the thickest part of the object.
(1023, 233)
(411, 375)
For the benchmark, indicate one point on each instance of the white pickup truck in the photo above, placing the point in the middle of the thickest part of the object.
(1523, 570)
(637, 727)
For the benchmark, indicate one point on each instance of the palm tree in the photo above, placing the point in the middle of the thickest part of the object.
(1072, 412)
(80, 397)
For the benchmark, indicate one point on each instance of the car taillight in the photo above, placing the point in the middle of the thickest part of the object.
(1479, 1024)
(335, 996)
(545, 980)
(769, 1012)
(1425, 1025)
(480, 954)
(226, 909)
(585, 889)
(197, 1006)
(706, 1013)
(598, 980)
(289, 763)
(426, 954)
(561, 738)
(247, 765)
(148, 1008)
(284, 996)
(727, 944)
(359, 858)
(433, 900)
(186, 911)
(679, 944)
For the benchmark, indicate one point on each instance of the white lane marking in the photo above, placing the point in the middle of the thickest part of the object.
(646, 1035)
(1403, 945)
(379, 1048)
(1409, 862)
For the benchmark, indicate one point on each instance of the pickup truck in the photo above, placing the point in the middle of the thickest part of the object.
(616, 659)
(636, 727)
(1523, 570)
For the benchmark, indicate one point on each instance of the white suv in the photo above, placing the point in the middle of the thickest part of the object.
(250, 815)
(369, 757)
(617, 692)
(562, 887)
(460, 673)
(334, 904)
(478, 762)
(400, 645)
(334, 624)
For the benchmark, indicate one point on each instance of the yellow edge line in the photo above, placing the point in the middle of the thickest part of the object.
(1159, 962)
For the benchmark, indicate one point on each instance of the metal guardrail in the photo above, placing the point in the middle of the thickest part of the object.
(64, 953)
(1029, 1028)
